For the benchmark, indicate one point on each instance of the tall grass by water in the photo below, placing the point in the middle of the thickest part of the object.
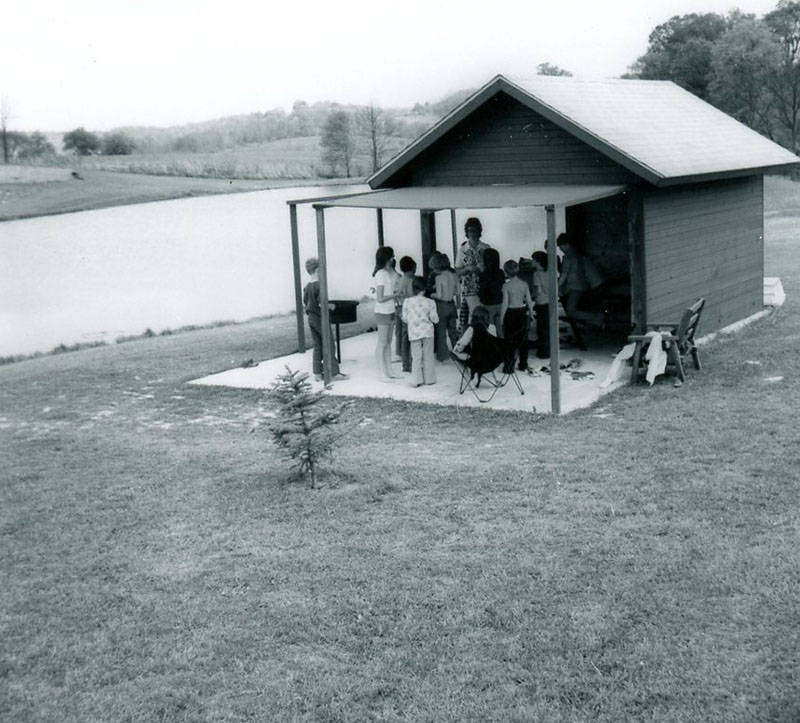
(290, 158)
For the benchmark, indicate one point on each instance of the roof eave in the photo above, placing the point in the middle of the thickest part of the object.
(435, 132)
(722, 175)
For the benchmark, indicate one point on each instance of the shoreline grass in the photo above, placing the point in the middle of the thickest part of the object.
(148, 333)
(63, 348)
(23, 199)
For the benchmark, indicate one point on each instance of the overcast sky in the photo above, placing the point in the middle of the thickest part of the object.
(106, 63)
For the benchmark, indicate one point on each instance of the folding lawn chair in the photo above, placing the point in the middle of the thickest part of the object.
(678, 338)
(490, 360)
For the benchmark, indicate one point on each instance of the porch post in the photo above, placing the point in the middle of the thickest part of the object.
(298, 289)
(454, 233)
(327, 344)
(427, 221)
(552, 278)
(380, 226)
(637, 260)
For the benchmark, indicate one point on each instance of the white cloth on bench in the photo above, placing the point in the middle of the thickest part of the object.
(618, 365)
(656, 356)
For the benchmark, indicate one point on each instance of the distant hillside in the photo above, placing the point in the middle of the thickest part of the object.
(263, 127)
(272, 144)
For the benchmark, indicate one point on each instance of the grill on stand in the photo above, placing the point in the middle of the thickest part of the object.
(343, 312)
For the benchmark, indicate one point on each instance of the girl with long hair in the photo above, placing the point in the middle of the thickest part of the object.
(386, 294)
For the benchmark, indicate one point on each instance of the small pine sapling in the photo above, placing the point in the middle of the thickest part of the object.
(300, 429)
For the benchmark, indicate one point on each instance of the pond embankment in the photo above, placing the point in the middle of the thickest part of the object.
(27, 192)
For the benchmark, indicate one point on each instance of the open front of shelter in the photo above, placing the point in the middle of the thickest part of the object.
(663, 192)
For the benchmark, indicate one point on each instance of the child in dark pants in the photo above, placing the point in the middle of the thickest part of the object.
(314, 314)
(408, 268)
(517, 308)
(541, 301)
(445, 290)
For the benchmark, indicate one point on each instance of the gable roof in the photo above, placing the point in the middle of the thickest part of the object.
(654, 128)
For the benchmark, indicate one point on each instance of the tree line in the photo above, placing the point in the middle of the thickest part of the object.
(746, 66)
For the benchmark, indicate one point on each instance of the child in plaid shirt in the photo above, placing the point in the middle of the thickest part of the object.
(419, 315)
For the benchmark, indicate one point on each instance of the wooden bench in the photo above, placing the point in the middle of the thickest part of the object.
(677, 337)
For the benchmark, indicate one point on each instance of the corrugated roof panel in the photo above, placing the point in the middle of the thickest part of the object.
(656, 124)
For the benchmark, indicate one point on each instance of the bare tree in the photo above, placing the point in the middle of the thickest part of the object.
(374, 126)
(5, 118)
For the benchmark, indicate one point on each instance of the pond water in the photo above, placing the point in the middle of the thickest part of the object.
(99, 275)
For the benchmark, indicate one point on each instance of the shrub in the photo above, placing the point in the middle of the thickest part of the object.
(117, 144)
(300, 429)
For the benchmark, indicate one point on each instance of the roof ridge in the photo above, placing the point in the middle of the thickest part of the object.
(582, 79)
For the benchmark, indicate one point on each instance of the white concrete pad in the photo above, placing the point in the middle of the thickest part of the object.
(358, 360)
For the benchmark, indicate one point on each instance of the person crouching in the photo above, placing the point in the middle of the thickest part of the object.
(419, 314)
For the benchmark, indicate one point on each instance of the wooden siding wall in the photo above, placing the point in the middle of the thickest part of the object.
(505, 142)
(705, 240)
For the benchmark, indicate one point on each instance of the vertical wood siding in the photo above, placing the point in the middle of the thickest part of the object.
(505, 142)
(705, 240)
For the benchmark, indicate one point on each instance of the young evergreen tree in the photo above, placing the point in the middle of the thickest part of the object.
(300, 429)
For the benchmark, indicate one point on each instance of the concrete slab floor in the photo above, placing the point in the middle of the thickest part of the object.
(358, 360)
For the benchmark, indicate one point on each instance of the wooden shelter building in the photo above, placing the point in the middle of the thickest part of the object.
(663, 191)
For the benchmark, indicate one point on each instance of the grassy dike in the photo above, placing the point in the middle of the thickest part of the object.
(634, 561)
(26, 193)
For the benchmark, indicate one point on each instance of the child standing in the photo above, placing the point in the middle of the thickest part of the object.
(419, 313)
(444, 293)
(314, 314)
(408, 269)
(541, 300)
(516, 307)
(490, 287)
(385, 280)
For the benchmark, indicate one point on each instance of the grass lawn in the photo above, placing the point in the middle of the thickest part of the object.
(637, 561)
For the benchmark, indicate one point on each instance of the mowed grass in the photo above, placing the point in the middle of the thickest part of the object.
(636, 561)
